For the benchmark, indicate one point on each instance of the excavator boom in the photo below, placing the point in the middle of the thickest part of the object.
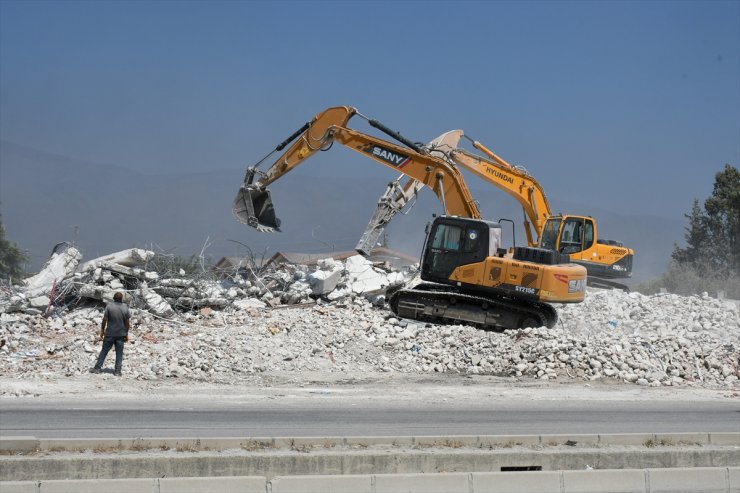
(253, 204)
(517, 182)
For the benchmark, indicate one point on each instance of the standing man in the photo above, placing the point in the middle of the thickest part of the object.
(116, 319)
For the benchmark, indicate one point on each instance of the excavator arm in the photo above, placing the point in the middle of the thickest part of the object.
(253, 204)
(493, 169)
(511, 179)
(516, 182)
(393, 201)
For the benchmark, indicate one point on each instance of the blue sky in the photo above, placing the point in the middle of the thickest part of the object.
(631, 105)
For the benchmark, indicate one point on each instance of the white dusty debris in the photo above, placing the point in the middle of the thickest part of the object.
(325, 279)
(133, 257)
(662, 340)
(71, 284)
(155, 303)
(362, 276)
(226, 330)
(60, 265)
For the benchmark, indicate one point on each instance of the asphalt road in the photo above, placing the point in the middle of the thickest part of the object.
(334, 416)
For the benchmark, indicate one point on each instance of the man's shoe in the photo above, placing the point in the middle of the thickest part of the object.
(95, 370)
(118, 373)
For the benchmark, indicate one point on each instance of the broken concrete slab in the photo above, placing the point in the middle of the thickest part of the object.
(324, 282)
(326, 278)
(188, 302)
(100, 293)
(249, 303)
(363, 278)
(40, 302)
(155, 303)
(59, 266)
(133, 257)
(176, 282)
(104, 269)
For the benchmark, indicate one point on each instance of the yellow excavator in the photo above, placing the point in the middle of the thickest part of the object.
(467, 276)
(570, 234)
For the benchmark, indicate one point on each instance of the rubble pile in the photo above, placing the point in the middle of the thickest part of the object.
(239, 328)
(353, 335)
(65, 283)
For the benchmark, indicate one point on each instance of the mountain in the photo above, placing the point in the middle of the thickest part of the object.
(46, 199)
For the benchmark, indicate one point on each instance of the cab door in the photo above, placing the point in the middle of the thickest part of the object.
(453, 243)
(444, 250)
(572, 236)
(589, 249)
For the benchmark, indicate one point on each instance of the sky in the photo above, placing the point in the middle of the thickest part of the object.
(633, 106)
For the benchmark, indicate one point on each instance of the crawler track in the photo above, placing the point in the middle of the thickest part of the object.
(437, 302)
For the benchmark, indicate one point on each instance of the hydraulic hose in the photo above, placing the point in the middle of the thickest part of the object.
(395, 135)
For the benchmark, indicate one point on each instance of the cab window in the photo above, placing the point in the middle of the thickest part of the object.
(447, 237)
(571, 237)
(588, 236)
(549, 237)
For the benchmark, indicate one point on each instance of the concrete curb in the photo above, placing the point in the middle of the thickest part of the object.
(125, 464)
(23, 444)
(677, 480)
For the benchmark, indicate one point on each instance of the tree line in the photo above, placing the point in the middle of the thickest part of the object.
(710, 260)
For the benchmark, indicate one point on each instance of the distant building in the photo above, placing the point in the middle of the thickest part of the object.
(230, 263)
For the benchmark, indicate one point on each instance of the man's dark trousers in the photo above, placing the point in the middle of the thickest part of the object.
(108, 343)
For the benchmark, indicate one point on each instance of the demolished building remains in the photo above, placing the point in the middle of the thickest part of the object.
(226, 329)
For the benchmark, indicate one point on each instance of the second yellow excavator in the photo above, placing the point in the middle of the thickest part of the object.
(575, 235)
(467, 276)
(570, 234)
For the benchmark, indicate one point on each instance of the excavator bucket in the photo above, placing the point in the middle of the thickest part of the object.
(253, 207)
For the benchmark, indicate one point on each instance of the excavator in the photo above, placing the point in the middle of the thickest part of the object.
(604, 260)
(466, 275)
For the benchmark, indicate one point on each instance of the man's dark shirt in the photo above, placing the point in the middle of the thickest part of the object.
(116, 312)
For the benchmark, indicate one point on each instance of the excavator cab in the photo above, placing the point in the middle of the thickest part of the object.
(576, 236)
(453, 242)
(568, 234)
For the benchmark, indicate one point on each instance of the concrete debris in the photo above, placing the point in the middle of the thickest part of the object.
(155, 303)
(164, 293)
(59, 266)
(325, 279)
(133, 257)
(95, 292)
(654, 341)
(363, 277)
(224, 331)
(246, 304)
